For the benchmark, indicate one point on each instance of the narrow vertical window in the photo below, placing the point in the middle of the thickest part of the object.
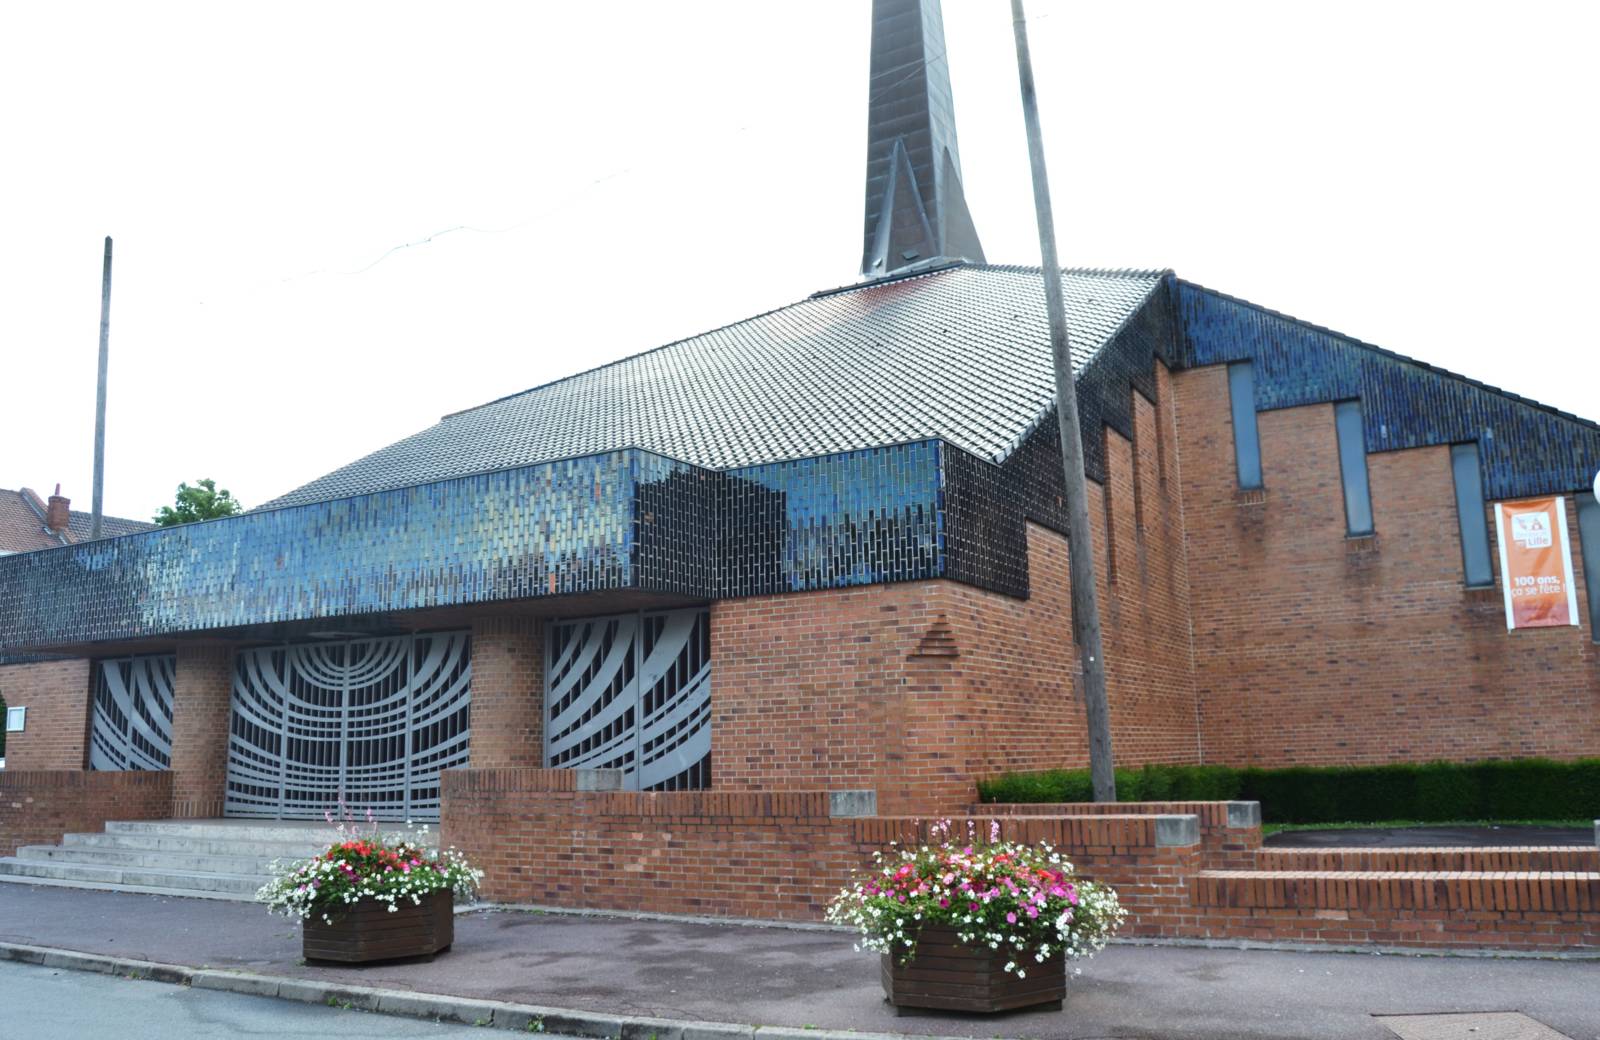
(1246, 441)
(1589, 544)
(1353, 468)
(1471, 514)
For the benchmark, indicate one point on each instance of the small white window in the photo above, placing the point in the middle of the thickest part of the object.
(15, 718)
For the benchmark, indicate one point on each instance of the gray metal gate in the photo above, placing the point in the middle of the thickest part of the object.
(632, 692)
(132, 723)
(371, 721)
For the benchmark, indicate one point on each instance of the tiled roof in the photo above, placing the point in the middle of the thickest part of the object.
(960, 353)
(110, 526)
(21, 529)
(22, 524)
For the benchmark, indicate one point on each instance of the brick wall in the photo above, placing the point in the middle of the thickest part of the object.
(916, 689)
(770, 855)
(507, 692)
(1548, 911)
(1226, 842)
(38, 806)
(201, 703)
(1314, 648)
(56, 694)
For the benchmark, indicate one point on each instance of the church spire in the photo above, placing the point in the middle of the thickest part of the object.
(916, 212)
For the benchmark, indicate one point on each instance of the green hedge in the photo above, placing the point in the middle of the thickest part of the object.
(1529, 789)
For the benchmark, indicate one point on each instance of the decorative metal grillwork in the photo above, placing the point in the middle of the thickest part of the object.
(372, 721)
(132, 723)
(632, 692)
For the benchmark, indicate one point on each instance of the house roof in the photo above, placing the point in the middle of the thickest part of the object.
(961, 352)
(22, 524)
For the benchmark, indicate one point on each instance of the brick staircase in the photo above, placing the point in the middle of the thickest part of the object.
(209, 859)
(1542, 898)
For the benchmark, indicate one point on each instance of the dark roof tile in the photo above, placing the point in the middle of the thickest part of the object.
(960, 353)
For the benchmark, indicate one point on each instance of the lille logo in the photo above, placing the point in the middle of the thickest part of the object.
(1531, 530)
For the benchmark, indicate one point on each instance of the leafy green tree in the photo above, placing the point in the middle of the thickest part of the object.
(202, 502)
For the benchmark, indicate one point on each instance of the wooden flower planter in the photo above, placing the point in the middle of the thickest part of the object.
(948, 975)
(367, 931)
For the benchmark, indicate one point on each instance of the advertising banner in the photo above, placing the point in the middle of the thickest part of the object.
(1536, 563)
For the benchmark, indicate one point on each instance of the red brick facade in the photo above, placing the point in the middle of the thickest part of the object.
(56, 694)
(38, 806)
(916, 689)
(1314, 648)
(201, 694)
(507, 685)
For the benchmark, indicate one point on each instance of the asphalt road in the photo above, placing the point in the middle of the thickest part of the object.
(46, 1004)
(778, 976)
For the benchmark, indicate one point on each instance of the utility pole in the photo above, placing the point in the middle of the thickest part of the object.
(1085, 600)
(100, 398)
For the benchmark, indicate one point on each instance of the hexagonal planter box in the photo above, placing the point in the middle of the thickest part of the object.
(948, 975)
(367, 931)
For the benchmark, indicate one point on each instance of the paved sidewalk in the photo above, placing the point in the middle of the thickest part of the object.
(812, 978)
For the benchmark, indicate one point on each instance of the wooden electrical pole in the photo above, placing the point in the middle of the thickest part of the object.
(1085, 601)
(100, 398)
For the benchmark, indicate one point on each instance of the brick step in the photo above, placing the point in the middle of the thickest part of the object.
(179, 882)
(246, 862)
(1520, 859)
(1556, 892)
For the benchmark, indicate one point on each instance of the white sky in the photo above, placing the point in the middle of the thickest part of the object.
(1421, 176)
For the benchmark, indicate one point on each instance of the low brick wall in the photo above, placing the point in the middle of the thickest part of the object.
(1194, 874)
(774, 855)
(38, 806)
(1230, 832)
(1533, 910)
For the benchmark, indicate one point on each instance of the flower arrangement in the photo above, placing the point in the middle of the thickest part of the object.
(1024, 899)
(366, 865)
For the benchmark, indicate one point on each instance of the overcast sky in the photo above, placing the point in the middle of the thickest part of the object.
(1420, 176)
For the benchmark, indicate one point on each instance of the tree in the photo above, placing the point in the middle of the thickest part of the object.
(201, 502)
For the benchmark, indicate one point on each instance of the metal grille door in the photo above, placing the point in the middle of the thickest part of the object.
(632, 692)
(373, 721)
(132, 723)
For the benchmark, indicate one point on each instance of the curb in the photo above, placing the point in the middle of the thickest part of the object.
(500, 1014)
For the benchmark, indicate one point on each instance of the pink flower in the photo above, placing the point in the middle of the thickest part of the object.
(1011, 918)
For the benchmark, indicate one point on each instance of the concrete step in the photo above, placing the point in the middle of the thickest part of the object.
(1516, 859)
(231, 864)
(149, 890)
(241, 885)
(282, 831)
(197, 846)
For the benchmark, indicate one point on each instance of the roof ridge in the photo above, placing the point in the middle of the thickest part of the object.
(1396, 355)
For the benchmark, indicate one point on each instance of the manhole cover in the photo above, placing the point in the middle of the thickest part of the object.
(1491, 1025)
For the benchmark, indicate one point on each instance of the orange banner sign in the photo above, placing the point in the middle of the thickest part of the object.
(1536, 563)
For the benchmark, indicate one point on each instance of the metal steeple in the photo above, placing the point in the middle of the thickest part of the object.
(916, 212)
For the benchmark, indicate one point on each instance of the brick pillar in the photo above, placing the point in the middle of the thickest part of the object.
(200, 699)
(507, 693)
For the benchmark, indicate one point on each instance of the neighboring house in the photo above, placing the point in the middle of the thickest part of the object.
(28, 522)
(822, 549)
